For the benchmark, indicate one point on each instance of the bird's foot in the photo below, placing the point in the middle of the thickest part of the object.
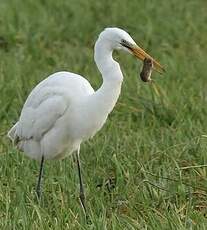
(82, 201)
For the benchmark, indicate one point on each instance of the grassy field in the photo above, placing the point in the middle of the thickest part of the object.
(150, 143)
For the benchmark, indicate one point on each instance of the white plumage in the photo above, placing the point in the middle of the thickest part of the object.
(64, 110)
(47, 119)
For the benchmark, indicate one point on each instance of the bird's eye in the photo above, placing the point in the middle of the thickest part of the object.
(123, 41)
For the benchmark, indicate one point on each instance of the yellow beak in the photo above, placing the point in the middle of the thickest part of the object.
(141, 54)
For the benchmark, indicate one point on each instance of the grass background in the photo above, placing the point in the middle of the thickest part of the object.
(153, 132)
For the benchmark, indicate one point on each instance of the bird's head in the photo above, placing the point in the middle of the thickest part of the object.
(119, 39)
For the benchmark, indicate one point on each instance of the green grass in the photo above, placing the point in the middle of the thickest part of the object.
(152, 133)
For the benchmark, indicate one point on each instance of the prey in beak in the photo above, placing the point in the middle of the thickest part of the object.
(146, 72)
(142, 55)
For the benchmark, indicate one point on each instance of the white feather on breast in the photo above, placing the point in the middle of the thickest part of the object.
(43, 124)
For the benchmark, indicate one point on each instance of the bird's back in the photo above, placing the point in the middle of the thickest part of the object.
(41, 128)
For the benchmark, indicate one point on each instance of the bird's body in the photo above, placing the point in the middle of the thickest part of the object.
(50, 111)
(63, 110)
(60, 113)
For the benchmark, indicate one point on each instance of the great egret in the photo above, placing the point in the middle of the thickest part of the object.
(63, 110)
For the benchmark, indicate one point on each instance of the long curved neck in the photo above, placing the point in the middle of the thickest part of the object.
(108, 67)
(107, 95)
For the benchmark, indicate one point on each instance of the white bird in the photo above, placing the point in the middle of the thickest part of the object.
(63, 110)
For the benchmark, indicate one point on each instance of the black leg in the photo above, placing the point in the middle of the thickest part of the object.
(82, 194)
(38, 188)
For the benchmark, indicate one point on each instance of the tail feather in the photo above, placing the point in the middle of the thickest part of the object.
(12, 134)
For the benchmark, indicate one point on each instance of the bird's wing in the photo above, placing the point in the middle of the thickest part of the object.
(40, 113)
(48, 102)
